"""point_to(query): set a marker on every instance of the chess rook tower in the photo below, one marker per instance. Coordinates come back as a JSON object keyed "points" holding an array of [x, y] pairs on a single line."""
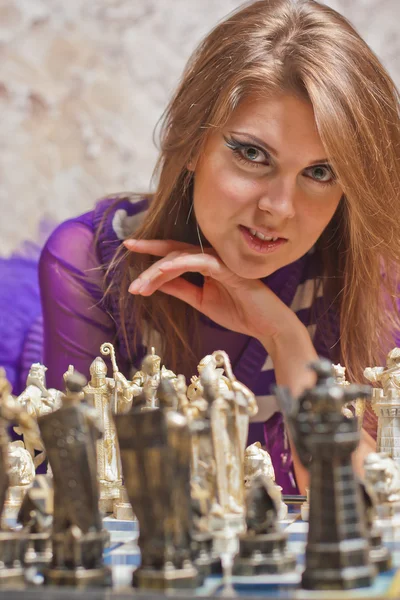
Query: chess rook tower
{"points": [[387, 409], [337, 551]]}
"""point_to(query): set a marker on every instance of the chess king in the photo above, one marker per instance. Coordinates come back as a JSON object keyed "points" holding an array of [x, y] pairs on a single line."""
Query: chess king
{"points": [[108, 395]]}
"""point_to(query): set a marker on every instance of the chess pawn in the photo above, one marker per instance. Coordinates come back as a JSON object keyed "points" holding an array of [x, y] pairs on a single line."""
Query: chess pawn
{"points": [[70, 435], [263, 548], [155, 453]]}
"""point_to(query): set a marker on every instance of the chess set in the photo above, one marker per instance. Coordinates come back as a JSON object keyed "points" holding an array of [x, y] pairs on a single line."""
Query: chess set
{"points": [[190, 511]]}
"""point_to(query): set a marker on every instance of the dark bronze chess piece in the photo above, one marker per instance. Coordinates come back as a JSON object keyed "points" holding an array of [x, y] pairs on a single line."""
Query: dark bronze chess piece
{"points": [[155, 453], [69, 435], [36, 517], [337, 551], [263, 548]]}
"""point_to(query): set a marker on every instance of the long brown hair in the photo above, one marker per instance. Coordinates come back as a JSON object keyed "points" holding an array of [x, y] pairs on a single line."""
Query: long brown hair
{"points": [[302, 47]]}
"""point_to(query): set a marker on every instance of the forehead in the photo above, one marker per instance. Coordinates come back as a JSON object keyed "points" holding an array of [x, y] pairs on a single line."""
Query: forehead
{"points": [[285, 122]]}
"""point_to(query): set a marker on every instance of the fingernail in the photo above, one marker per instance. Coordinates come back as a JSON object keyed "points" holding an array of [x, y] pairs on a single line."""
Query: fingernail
{"points": [[130, 242], [135, 286]]}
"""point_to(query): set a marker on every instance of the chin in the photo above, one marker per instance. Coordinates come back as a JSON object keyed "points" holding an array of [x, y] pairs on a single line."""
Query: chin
{"points": [[250, 271]]}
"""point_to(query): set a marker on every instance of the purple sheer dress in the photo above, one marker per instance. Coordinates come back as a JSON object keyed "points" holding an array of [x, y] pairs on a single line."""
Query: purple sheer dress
{"points": [[76, 321]]}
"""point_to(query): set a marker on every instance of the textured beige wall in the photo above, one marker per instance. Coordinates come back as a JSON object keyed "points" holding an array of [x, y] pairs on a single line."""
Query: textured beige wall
{"points": [[82, 84]]}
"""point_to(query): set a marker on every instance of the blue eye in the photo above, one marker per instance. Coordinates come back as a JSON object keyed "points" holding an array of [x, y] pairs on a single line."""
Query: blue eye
{"points": [[247, 153], [321, 174]]}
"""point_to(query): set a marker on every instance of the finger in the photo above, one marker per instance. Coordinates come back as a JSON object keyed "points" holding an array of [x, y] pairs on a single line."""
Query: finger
{"points": [[158, 247], [185, 291], [206, 265]]}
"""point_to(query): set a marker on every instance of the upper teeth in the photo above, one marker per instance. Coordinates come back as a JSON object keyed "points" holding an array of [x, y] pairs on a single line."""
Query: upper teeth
{"points": [[262, 236]]}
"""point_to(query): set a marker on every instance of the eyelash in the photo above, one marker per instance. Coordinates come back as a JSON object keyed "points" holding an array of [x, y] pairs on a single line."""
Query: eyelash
{"points": [[237, 148]]}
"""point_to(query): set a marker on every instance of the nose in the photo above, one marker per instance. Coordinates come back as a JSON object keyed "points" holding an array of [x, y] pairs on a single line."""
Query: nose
{"points": [[278, 198]]}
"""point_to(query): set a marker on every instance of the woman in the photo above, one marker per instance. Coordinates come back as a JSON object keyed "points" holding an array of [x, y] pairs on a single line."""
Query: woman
{"points": [[272, 232]]}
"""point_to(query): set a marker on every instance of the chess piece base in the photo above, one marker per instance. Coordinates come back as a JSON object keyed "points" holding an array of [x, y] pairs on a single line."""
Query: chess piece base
{"points": [[12, 548], [38, 553], [263, 554], [379, 554], [327, 572], [166, 579], [203, 557], [109, 493], [79, 577], [305, 511]]}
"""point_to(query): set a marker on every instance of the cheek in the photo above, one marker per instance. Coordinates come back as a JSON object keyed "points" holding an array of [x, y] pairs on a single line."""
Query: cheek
{"points": [[317, 214], [222, 190]]}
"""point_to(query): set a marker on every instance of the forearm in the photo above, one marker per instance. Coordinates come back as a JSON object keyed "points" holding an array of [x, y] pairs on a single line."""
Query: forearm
{"points": [[291, 352]]}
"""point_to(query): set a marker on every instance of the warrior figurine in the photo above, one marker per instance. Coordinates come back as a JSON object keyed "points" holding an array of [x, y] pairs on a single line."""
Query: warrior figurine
{"points": [[108, 396], [12, 543], [354, 408], [37, 400], [147, 380], [69, 435], [155, 454]]}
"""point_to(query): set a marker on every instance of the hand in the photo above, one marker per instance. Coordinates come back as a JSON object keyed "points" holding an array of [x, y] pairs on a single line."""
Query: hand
{"points": [[243, 305]]}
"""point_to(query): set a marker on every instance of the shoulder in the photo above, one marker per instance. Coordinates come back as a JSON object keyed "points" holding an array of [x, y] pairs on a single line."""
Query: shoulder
{"points": [[115, 218]]}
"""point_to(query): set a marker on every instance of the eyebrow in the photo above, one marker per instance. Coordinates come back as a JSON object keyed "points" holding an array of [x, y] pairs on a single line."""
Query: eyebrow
{"points": [[272, 150]]}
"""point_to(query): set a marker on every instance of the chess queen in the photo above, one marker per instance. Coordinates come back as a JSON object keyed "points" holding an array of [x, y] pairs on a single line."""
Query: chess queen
{"points": [[269, 231]]}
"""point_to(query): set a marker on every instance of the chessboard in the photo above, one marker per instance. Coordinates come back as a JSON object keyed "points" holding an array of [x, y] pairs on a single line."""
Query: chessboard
{"points": [[123, 556]]}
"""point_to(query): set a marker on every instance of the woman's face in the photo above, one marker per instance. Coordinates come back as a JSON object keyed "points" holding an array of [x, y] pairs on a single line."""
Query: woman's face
{"points": [[263, 187]]}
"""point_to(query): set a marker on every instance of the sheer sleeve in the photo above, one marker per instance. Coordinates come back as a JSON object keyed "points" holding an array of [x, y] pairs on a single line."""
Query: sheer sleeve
{"points": [[74, 319]]}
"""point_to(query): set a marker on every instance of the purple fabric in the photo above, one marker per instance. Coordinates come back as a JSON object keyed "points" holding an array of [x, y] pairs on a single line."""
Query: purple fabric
{"points": [[76, 321], [19, 309]]}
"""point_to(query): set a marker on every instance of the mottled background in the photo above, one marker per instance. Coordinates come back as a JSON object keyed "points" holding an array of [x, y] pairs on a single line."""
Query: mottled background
{"points": [[83, 83]]}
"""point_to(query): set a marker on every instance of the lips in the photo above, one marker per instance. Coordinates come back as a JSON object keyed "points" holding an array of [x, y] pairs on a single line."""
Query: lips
{"points": [[262, 242]]}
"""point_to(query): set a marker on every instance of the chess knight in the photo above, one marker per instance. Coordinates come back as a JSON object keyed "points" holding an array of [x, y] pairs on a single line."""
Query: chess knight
{"points": [[108, 395], [69, 435]]}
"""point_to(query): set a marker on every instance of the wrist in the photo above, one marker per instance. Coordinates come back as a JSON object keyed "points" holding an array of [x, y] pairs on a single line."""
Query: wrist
{"points": [[291, 350]]}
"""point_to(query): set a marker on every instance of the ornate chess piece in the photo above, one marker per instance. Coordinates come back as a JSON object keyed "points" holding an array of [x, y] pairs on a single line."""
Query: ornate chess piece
{"points": [[69, 435], [386, 403], [263, 548], [230, 413], [337, 551], [21, 475], [354, 408], [108, 396], [148, 378], [155, 453], [382, 475], [12, 543], [258, 462], [37, 400], [379, 554], [36, 517]]}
